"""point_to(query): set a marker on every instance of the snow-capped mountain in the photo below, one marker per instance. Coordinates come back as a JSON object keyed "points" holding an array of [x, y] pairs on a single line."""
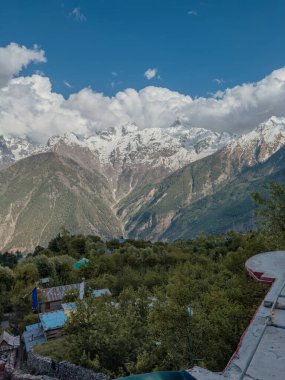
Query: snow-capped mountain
{"points": [[259, 144], [126, 154], [225, 178], [14, 148], [120, 149], [124, 181], [174, 146]]}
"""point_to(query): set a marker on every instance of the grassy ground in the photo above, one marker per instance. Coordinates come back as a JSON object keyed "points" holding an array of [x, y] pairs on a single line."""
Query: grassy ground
{"points": [[56, 349]]}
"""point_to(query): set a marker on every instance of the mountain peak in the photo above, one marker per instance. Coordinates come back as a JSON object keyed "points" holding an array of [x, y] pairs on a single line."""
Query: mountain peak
{"points": [[129, 128], [273, 125], [181, 121]]}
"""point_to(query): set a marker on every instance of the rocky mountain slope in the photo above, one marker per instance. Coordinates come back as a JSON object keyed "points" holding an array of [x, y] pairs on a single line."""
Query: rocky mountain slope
{"points": [[126, 155], [152, 183], [150, 211], [42, 193]]}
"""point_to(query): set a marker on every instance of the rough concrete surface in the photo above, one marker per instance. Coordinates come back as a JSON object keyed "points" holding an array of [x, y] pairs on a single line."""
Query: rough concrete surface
{"points": [[261, 352]]}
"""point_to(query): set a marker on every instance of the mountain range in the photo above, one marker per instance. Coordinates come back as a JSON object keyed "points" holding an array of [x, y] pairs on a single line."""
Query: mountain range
{"points": [[153, 183]]}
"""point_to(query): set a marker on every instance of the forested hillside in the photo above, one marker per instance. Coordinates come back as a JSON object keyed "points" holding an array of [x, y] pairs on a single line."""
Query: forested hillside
{"points": [[171, 305]]}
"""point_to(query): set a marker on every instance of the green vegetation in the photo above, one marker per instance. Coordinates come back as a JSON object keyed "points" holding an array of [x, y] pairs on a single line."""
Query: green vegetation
{"points": [[272, 209], [171, 303], [44, 192], [198, 198], [57, 347]]}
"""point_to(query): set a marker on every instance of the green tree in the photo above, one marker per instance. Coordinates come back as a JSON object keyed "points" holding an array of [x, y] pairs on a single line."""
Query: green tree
{"points": [[272, 209], [7, 278], [45, 266], [63, 269], [27, 273], [71, 295]]}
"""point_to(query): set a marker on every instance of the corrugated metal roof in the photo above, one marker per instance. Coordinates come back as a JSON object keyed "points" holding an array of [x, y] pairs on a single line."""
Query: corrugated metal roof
{"points": [[53, 320], [57, 292], [11, 340]]}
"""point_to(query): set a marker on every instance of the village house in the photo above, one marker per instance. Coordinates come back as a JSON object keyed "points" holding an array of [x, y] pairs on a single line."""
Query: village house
{"points": [[33, 335], [9, 345], [50, 326], [8, 342], [52, 323], [53, 314], [51, 298]]}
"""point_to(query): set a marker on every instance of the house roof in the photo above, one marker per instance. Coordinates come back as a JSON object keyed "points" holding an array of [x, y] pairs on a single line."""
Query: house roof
{"points": [[53, 320], [33, 327], [70, 306], [33, 336], [101, 292], [162, 375], [57, 293], [80, 263], [11, 340], [44, 280]]}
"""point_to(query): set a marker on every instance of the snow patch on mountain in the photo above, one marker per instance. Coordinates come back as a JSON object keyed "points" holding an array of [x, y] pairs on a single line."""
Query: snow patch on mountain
{"points": [[264, 140], [171, 147], [14, 148]]}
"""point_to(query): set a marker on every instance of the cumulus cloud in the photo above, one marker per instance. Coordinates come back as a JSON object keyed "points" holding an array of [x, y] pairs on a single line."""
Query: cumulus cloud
{"points": [[77, 14], [13, 58], [28, 106], [192, 12], [150, 73], [237, 109]]}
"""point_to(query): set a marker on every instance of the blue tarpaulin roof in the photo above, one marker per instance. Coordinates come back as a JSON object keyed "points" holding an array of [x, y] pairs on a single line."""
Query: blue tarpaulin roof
{"points": [[33, 336], [53, 320], [163, 375], [32, 327]]}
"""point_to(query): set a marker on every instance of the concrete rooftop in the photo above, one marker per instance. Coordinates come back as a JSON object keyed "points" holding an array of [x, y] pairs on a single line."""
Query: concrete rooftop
{"points": [[260, 354]]}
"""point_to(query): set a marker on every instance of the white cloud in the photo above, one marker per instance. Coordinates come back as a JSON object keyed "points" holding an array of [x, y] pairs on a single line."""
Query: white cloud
{"points": [[114, 73], [77, 14], [150, 73], [236, 109], [13, 58], [192, 12], [28, 106]]}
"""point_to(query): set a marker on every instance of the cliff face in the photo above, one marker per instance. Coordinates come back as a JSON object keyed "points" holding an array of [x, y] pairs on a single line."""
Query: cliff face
{"points": [[156, 211]]}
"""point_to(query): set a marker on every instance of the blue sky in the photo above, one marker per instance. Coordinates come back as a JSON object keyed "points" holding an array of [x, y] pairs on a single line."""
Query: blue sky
{"points": [[191, 43]]}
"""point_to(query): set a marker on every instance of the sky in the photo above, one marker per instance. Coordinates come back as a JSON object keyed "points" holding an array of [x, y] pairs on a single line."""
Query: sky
{"points": [[91, 64]]}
